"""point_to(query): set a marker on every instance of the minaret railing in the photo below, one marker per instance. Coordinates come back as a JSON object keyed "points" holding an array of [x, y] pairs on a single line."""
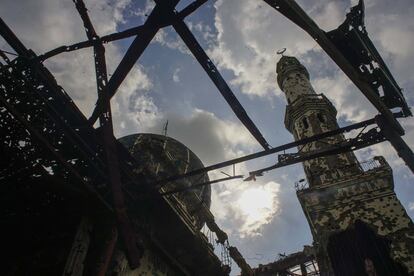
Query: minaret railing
{"points": [[368, 166]]}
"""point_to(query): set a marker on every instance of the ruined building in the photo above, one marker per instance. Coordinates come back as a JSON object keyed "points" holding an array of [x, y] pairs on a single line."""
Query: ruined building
{"points": [[358, 224], [77, 201], [59, 213]]}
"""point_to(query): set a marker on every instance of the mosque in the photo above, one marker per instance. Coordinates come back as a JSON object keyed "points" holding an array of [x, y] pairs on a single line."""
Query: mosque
{"points": [[77, 201]]}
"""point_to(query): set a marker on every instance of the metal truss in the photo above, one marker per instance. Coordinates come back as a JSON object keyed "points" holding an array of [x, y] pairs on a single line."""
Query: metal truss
{"points": [[359, 67], [361, 141], [42, 129]]}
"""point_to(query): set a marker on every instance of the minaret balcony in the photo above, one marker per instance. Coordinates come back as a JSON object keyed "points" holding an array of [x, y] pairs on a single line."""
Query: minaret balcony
{"points": [[369, 168], [307, 104]]}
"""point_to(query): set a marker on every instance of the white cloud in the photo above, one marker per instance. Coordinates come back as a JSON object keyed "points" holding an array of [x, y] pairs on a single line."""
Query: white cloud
{"points": [[143, 12], [210, 137], [133, 104], [249, 34], [350, 103], [258, 205], [58, 23], [241, 208], [176, 77], [328, 14], [171, 40]]}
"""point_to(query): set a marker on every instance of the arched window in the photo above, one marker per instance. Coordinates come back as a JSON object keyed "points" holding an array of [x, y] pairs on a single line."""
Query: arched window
{"points": [[321, 118], [305, 123]]}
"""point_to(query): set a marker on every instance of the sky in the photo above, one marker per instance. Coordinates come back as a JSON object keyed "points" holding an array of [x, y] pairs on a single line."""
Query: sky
{"points": [[262, 218]]}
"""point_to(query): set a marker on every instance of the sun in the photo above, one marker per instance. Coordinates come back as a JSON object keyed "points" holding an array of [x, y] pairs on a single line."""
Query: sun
{"points": [[253, 202], [257, 206]]}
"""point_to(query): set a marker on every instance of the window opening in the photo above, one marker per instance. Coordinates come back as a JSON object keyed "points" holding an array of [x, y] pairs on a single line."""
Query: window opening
{"points": [[305, 123], [321, 118]]}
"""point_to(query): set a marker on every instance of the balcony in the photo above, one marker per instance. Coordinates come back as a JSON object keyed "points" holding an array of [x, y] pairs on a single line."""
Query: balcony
{"points": [[375, 164]]}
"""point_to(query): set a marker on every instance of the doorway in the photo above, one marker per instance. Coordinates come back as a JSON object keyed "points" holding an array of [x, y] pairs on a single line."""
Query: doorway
{"points": [[358, 251]]}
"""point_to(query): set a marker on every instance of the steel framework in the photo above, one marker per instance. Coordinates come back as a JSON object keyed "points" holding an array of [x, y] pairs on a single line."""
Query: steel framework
{"points": [[42, 129]]}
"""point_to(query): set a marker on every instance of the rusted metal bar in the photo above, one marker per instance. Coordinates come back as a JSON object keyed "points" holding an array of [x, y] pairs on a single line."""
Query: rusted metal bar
{"points": [[4, 56], [110, 147], [403, 150], [218, 80], [352, 40], [271, 151], [183, 189], [88, 43], [296, 14], [140, 43], [107, 252], [372, 137], [284, 264], [235, 254], [12, 40]]}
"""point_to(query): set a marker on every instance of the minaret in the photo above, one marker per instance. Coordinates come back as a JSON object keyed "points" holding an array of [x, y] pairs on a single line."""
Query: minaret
{"points": [[309, 114], [358, 224]]}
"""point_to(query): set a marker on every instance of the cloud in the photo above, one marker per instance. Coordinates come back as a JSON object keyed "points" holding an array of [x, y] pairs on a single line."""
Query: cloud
{"points": [[133, 106], [243, 38], [249, 34], [58, 23], [176, 77], [211, 138], [258, 206], [351, 105], [142, 12], [244, 208], [167, 37]]}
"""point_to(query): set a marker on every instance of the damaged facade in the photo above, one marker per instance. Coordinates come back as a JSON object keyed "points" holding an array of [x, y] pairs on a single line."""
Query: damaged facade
{"points": [[77, 201], [357, 222]]}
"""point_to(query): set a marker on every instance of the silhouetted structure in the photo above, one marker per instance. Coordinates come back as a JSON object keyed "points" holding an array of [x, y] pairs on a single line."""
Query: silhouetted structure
{"points": [[77, 201], [358, 224]]}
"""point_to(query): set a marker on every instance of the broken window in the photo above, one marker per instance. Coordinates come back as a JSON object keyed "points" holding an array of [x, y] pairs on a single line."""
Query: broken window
{"points": [[305, 123], [321, 118]]}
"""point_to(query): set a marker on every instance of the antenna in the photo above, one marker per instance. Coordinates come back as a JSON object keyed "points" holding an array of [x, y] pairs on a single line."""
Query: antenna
{"points": [[165, 129]]}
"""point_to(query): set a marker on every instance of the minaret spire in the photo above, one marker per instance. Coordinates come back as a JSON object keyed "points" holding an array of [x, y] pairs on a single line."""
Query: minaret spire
{"points": [[309, 114]]}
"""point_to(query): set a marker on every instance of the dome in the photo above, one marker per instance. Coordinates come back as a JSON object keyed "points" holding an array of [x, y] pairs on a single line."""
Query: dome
{"points": [[164, 157]]}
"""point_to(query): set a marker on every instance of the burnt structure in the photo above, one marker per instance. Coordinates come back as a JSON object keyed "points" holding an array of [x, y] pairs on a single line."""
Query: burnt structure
{"points": [[358, 224], [300, 263], [76, 201], [57, 213]]}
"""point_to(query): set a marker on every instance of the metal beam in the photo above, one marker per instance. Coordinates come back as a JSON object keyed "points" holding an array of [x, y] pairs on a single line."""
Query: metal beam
{"points": [[272, 150], [109, 142], [184, 189], [135, 50], [218, 80], [136, 31], [12, 39], [403, 150], [372, 137]]}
